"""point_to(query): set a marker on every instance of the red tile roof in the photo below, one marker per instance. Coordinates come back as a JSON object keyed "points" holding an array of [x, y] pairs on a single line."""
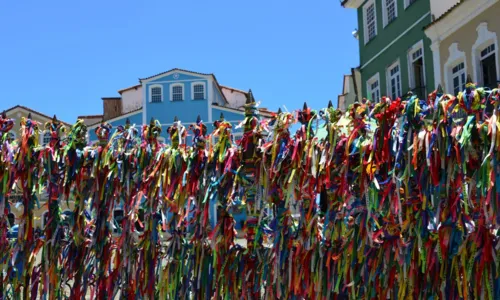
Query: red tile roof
{"points": [[33, 111], [175, 69], [120, 116], [90, 117], [233, 89], [129, 88], [445, 13]]}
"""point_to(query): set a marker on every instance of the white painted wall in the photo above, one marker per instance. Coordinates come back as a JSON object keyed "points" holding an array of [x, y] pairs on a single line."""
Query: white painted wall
{"points": [[439, 7], [131, 99], [235, 98]]}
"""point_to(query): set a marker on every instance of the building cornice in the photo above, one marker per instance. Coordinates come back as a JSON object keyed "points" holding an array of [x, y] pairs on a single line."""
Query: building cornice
{"points": [[352, 3], [457, 18]]}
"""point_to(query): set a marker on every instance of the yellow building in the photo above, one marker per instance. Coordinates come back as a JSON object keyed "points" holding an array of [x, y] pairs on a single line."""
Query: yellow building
{"points": [[15, 199]]}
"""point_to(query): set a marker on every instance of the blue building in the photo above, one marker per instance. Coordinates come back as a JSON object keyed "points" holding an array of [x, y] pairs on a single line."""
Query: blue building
{"points": [[177, 92], [164, 96]]}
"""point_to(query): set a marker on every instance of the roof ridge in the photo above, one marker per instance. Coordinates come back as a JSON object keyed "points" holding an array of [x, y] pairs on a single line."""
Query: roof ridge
{"points": [[234, 89], [176, 69], [33, 111]]}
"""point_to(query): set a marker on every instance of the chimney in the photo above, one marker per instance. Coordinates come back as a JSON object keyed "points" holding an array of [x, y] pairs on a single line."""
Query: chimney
{"points": [[112, 107]]}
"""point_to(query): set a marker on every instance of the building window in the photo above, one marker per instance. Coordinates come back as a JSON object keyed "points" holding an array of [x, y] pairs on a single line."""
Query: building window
{"points": [[156, 94], [454, 69], [484, 57], [394, 80], [389, 11], [176, 92], [409, 2], [373, 88], [488, 66], [458, 75], [416, 70], [198, 91], [46, 138], [370, 21]]}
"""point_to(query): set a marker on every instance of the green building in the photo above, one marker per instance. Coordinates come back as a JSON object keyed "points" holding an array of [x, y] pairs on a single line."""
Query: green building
{"points": [[395, 54]]}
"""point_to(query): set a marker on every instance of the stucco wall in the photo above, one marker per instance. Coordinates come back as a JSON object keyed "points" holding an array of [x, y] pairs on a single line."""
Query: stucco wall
{"points": [[466, 37], [235, 98], [18, 113], [135, 118], [131, 99], [439, 7], [405, 31], [186, 110]]}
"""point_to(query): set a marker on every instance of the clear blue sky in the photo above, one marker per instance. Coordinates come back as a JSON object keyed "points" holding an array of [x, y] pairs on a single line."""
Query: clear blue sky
{"points": [[63, 56]]}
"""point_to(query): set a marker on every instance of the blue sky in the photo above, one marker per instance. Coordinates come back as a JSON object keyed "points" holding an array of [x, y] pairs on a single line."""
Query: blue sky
{"points": [[63, 56]]}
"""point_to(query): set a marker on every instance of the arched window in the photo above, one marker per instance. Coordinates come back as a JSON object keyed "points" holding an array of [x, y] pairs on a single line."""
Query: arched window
{"points": [[485, 58], [198, 91], [46, 138], [455, 69], [156, 93], [177, 92]]}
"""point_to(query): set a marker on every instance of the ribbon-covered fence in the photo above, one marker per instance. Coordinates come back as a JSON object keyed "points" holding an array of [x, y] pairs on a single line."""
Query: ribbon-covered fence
{"points": [[398, 199]]}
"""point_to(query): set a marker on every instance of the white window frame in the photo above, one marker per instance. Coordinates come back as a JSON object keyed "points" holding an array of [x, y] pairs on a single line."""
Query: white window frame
{"points": [[46, 133], [385, 15], [172, 91], [369, 82], [389, 78], [455, 57], [407, 3], [411, 72], [365, 24], [484, 39], [461, 74], [151, 87], [204, 90]]}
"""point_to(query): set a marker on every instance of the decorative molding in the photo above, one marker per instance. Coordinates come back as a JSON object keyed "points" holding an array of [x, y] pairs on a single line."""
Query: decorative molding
{"points": [[365, 25], [456, 56], [204, 89], [385, 20], [353, 3], [457, 18], [436, 61], [150, 88], [411, 72], [183, 91], [373, 79], [395, 40], [388, 78], [484, 39]]}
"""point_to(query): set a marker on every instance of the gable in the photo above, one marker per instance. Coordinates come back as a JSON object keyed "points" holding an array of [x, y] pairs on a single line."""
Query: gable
{"points": [[176, 76]]}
